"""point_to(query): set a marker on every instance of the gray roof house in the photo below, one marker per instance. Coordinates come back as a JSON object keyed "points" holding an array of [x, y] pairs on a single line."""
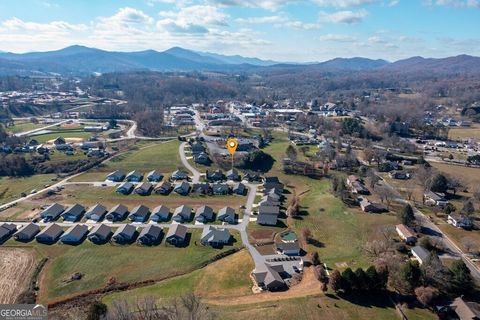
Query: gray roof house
{"points": [[75, 234], [268, 201], [182, 213], [288, 248], [27, 233], [179, 175], [267, 219], [143, 188], [201, 188], [73, 213], [215, 237], [201, 158], [204, 214], [160, 213], [116, 176], [268, 277], [125, 188], [420, 254], [176, 234], [154, 176], [6, 230], [239, 188], [216, 175], [100, 234], [53, 212], [233, 175], [117, 213], [50, 234], [134, 176], [182, 188], [163, 187], [150, 235], [139, 214], [220, 188], [227, 214], [273, 183], [269, 210], [96, 213], [125, 234]]}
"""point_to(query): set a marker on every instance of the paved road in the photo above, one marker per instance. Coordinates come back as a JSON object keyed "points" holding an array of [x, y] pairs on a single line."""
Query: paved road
{"points": [[186, 164], [427, 224]]}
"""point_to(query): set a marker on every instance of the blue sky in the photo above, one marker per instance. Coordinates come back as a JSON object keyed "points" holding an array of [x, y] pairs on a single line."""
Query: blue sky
{"points": [[283, 30]]}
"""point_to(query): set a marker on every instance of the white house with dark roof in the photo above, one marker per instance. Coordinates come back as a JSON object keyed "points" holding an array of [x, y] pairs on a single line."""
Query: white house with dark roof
{"points": [[215, 237]]}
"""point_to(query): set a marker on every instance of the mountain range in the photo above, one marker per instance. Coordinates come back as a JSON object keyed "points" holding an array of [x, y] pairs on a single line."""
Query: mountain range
{"points": [[80, 60]]}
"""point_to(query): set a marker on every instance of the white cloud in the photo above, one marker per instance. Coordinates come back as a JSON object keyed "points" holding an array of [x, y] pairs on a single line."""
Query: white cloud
{"points": [[264, 4], [347, 17], [337, 38], [342, 3], [278, 22], [454, 3]]}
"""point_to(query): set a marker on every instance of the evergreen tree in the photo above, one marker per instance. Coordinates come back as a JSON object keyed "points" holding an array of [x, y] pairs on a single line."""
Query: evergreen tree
{"points": [[461, 278], [406, 215]]}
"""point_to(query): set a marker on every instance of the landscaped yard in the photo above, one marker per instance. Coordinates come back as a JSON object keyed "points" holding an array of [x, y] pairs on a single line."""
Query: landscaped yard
{"points": [[162, 156], [101, 263]]}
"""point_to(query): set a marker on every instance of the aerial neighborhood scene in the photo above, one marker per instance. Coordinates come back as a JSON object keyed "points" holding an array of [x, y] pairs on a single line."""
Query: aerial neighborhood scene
{"points": [[267, 159]]}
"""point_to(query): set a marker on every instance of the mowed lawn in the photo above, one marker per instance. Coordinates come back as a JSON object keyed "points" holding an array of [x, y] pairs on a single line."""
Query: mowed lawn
{"points": [[11, 188], [101, 263], [469, 176], [42, 138], [162, 156], [228, 277], [472, 132], [22, 126]]}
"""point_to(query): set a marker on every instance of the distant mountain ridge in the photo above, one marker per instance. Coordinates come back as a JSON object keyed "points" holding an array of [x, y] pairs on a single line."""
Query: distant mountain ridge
{"points": [[81, 60]]}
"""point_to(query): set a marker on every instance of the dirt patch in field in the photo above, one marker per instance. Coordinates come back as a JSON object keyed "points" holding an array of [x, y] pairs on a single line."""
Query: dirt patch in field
{"points": [[16, 267], [262, 235]]}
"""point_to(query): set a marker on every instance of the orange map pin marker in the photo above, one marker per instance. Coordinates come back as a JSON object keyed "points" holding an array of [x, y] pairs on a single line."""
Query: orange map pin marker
{"points": [[232, 145]]}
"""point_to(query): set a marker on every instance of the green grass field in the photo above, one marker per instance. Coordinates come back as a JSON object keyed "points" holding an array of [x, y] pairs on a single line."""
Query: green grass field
{"points": [[161, 156], [99, 263], [21, 126], [472, 132], [42, 138], [11, 188]]}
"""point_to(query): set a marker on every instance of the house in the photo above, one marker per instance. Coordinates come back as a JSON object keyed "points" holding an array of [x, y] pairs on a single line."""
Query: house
{"points": [[268, 201], [389, 166], [239, 188], [272, 195], [143, 189], [154, 176], [134, 176], [100, 234], [182, 188], [288, 248], [227, 214], [6, 230], [356, 185], [268, 277], [75, 234], [52, 212], [27, 233], [59, 141], [216, 175], [215, 237], [420, 254], [406, 234], [139, 214], [163, 187], [96, 213], [182, 213], [197, 147], [150, 235], [201, 188], [73, 213], [176, 234], [253, 177], [399, 175], [233, 175], [220, 189], [269, 210], [201, 158], [273, 183], [267, 219], [465, 310], [435, 198], [125, 234], [372, 207], [125, 188], [179, 175], [160, 214], [50, 234], [460, 221], [116, 176], [204, 214], [117, 213]]}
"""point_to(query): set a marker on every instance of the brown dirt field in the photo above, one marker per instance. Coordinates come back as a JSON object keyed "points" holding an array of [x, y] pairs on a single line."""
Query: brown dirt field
{"points": [[68, 140], [259, 234], [16, 266], [307, 287]]}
